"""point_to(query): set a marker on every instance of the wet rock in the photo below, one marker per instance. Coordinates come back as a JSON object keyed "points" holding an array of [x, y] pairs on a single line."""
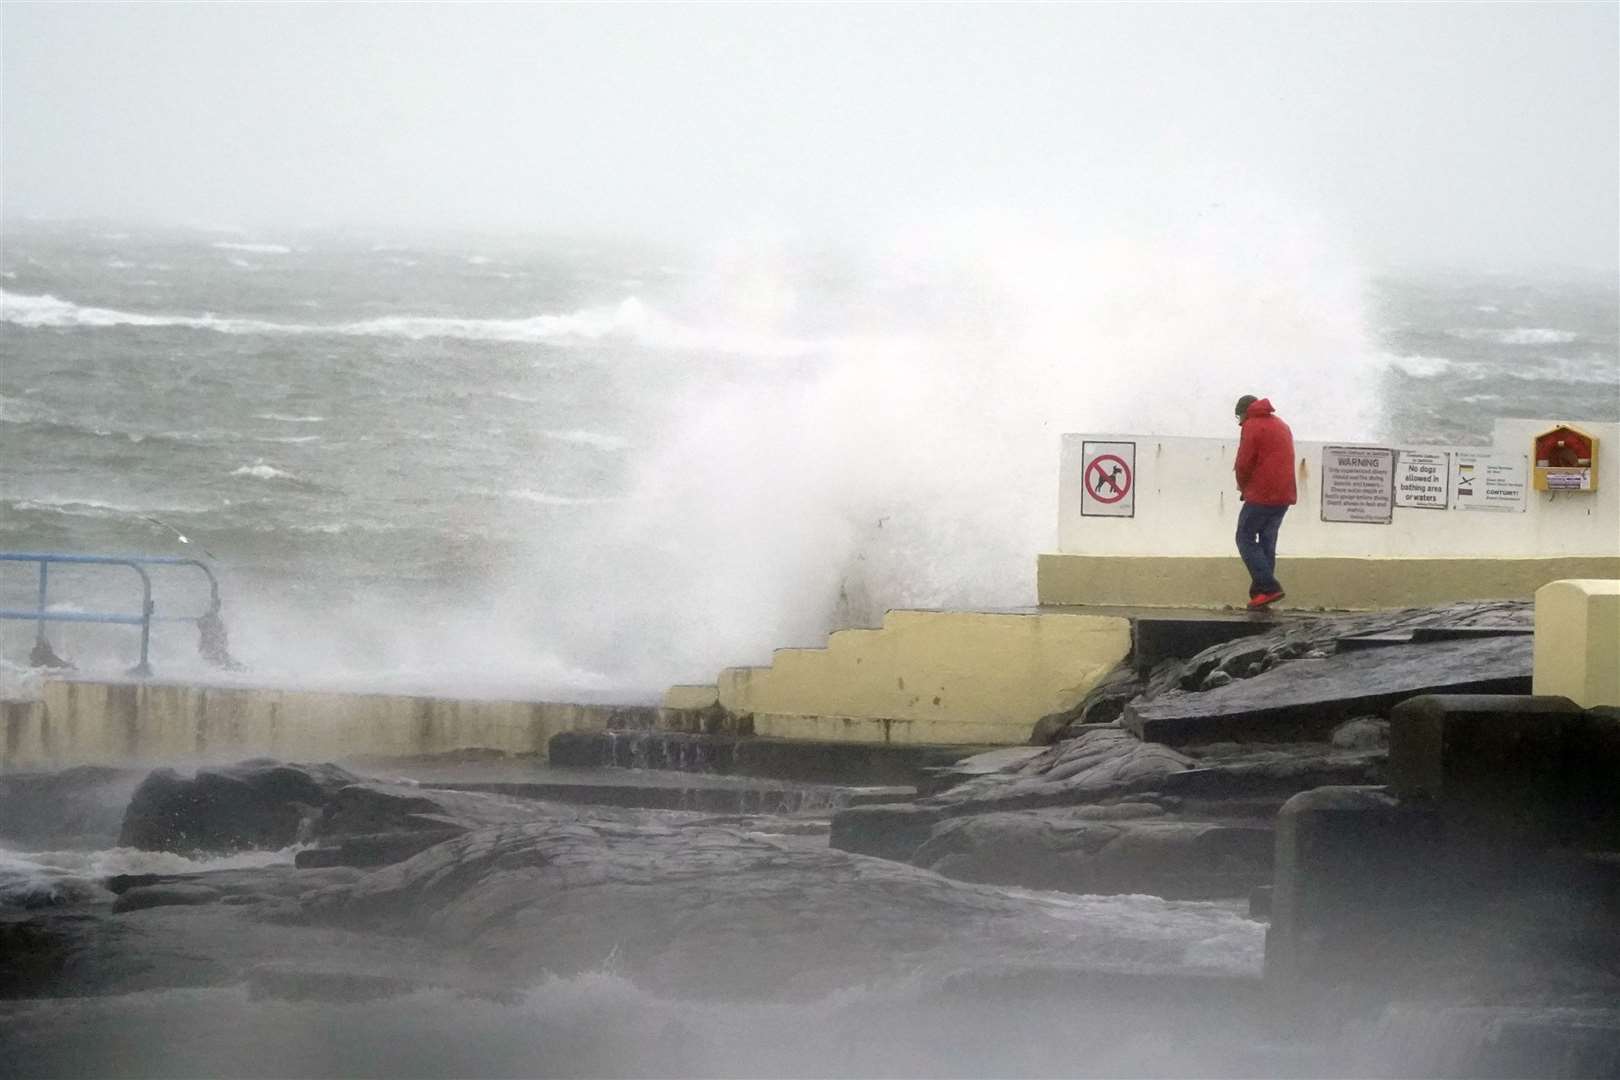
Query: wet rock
{"points": [[1083, 851], [707, 911], [151, 896], [256, 804], [1315, 637], [77, 808], [1305, 700], [1277, 774], [991, 761], [375, 849], [1362, 733], [1103, 763], [267, 804], [296, 982], [1102, 704], [888, 832]]}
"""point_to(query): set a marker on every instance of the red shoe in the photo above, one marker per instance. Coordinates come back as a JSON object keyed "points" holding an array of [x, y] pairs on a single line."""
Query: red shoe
{"points": [[1265, 598]]}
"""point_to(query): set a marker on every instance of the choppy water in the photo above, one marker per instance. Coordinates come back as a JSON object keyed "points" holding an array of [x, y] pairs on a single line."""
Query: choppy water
{"points": [[592, 470]]}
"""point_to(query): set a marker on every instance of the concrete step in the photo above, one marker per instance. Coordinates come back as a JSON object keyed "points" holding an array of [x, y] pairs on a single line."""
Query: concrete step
{"points": [[928, 677]]}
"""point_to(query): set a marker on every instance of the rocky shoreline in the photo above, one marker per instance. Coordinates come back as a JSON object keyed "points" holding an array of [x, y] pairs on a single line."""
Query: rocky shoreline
{"points": [[1151, 862]]}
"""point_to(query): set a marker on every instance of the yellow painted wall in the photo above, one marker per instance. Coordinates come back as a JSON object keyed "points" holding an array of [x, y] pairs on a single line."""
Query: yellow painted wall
{"points": [[1577, 650], [690, 696], [930, 677], [1340, 583], [94, 723]]}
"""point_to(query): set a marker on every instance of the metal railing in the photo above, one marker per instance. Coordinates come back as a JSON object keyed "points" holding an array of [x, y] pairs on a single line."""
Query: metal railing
{"points": [[211, 642]]}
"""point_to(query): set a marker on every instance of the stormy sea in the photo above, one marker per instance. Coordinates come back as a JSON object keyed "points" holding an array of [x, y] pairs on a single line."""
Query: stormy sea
{"points": [[598, 469], [584, 470]]}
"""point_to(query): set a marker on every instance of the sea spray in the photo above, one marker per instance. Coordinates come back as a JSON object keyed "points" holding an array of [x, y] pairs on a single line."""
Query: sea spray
{"points": [[916, 466]]}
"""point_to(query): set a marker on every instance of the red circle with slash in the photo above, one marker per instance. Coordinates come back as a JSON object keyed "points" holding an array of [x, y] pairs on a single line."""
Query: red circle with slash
{"points": [[1105, 478]]}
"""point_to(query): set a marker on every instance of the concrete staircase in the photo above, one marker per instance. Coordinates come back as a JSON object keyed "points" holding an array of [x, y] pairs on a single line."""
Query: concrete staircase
{"points": [[924, 677]]}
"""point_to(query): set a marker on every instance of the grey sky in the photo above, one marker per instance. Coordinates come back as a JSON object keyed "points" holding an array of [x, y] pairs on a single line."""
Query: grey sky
{"points": [[1486, 134]]}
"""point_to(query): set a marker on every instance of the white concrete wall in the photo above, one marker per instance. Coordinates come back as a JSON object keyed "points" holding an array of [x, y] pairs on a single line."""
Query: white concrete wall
{"points": [[1187, 504]]}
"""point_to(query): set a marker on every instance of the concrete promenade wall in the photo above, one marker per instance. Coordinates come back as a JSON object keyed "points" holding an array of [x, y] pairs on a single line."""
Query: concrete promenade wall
{"points": [[84, 722], [1176, 548]]}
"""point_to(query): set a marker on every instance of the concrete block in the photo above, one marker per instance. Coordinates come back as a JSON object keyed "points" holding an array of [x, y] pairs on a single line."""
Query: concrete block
{"points": [[1350, 864], [1577, 651], [1507, 768]]}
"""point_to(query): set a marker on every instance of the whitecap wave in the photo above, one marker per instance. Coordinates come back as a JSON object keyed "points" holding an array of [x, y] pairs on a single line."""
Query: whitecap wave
{"points": [[49, 312], [1419, 367], [90, 507], [594, 439], [285, 419], [1519, 335], [252, 249], [262, 471], [628, 320], [1569, 369], [546, 498]]}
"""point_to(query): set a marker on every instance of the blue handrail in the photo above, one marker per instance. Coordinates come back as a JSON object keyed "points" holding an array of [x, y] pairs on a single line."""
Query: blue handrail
{"points": [[208, 621]]}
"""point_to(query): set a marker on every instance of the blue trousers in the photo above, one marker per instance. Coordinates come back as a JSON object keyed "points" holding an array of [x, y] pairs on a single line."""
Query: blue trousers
{"points": [[1257, 542]]}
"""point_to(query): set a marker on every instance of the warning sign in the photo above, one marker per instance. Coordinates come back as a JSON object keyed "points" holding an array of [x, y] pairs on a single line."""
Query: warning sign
{"points": [[1108, 479], [1358, 484], [1420, 479], [1481, 481]]}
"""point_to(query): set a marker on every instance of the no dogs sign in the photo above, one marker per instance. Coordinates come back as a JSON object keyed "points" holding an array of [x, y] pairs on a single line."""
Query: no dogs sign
{"points": [[1108, 479]]}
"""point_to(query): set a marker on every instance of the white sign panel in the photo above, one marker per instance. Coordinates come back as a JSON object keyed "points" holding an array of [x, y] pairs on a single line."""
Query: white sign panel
{"points": [[1358, 484], [1482, 481], [1420, 479], [1108, 479]]}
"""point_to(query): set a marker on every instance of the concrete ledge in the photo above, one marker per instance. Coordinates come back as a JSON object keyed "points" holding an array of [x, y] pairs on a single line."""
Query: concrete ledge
{"points": [[84, 722], [691, 696], [1337, 583], [888, 730], [1577, 652]]}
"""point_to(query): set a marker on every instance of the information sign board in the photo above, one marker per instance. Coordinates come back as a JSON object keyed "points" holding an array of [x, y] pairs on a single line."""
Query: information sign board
{"points": [[1358, 484], [1420, 479], [1485, 481]]}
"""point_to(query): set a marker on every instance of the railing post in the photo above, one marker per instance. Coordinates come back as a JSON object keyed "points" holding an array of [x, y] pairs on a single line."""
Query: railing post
{"points": [[39, 625], [144, 668]]}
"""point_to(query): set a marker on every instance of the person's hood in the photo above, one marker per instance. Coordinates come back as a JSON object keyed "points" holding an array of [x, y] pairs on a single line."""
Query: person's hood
{"points": [[1258, 409]]}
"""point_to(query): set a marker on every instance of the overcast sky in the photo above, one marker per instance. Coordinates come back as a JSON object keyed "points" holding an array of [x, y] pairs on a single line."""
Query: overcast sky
{"points": [[1477, 133]]}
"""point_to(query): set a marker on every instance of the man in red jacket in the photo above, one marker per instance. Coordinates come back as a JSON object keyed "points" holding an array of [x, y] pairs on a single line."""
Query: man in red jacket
{"points": [[1265, 476]]}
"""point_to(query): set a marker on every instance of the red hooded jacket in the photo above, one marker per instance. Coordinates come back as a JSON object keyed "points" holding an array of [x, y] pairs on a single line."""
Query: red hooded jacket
{"points": [[1265, 458]]}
